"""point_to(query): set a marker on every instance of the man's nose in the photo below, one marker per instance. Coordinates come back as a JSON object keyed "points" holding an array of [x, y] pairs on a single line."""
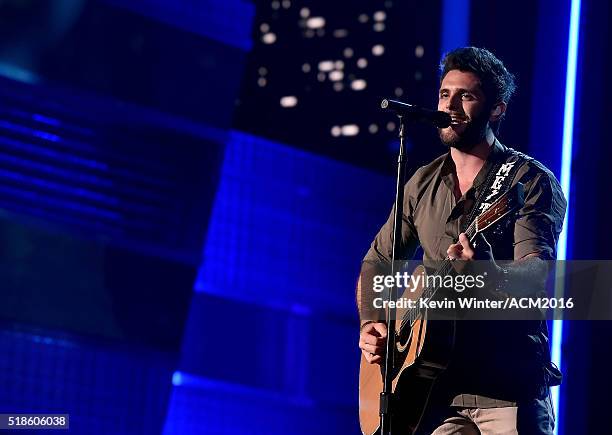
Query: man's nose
{"points": [[454, 105]]}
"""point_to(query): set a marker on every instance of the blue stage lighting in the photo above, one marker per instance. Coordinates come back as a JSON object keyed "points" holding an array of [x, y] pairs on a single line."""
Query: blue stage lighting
{"points": [[566, 163]]}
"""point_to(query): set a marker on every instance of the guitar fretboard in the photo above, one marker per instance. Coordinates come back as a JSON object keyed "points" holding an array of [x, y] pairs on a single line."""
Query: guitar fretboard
{"points": [[504, 205]]}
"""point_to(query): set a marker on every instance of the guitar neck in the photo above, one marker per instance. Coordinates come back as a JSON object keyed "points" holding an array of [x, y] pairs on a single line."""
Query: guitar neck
{"points": [[503, 206]]}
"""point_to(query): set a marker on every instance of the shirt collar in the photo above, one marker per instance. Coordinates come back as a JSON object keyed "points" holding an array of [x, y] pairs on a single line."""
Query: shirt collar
{"points": [[498, 150]]}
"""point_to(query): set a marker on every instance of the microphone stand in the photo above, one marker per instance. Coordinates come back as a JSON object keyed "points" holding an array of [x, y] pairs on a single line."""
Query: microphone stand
{"points": [[386, 396]]}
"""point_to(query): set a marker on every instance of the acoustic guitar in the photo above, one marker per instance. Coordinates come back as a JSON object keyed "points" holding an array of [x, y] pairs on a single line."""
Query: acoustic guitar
{"points": [[422, 348]]}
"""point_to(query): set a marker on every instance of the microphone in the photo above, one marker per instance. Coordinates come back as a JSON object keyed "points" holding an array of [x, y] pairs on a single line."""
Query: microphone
{"points": [[417, 114]]}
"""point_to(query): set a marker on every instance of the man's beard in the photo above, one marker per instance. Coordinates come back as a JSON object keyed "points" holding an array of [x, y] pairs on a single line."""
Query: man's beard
{"points": [[475, 132]]}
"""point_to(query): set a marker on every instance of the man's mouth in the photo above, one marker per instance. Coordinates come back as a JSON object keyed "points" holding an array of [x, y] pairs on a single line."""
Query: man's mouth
{"points": [[459, 119]]}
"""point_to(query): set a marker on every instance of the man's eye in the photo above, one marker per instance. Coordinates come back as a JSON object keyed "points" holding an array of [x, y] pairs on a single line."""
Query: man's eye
{"points": [[443, 95], [468, 97]]}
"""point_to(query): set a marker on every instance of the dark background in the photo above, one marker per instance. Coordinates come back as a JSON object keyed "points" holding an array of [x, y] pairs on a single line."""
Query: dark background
{"points": [[179, 250]]}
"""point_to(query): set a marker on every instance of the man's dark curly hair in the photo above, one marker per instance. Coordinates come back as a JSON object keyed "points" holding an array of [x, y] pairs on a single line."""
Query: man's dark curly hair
{"points": [[496, 81]]}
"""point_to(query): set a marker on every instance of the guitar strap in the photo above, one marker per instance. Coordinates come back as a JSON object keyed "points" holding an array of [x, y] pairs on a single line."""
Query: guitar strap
{"points": [[498, 181]]}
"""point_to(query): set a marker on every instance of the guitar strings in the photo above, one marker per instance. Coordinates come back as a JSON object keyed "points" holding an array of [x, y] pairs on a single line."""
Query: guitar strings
{"points": [[413, 313]]}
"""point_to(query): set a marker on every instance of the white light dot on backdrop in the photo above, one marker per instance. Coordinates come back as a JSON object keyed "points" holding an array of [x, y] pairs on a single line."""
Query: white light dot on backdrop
{"points": [[309, 33], [286, 4], [304, 12], [326, 65], [398, 92], [289, 101], [262, 70], [379, 27], [275, 4], [348, 52], [419, 51], [338, 86], [315, 22], [338, 64], [336, 131], [378, 50], [362, 62], [321, 77], [261, 82], [350, 130], [363, 18], [269, 38], [264, 27], [373, 128], [336, 76], [358, 85], [306, 68], [380, 16], [340, 33], [390, 125]]}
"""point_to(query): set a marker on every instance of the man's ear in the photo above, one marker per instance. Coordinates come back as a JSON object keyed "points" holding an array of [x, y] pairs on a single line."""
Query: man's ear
{"points": [[498, 111]]}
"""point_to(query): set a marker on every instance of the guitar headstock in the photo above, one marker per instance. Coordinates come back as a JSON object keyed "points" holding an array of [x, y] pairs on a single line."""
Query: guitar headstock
{"points": [[509, 202]]}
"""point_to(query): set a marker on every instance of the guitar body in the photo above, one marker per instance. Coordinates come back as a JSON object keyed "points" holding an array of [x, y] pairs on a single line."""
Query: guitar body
{"points": [[422, 352], [423, 347]]}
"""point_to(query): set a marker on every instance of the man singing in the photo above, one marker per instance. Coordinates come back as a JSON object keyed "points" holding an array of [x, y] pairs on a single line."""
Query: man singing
{"points": [[499, 376]]}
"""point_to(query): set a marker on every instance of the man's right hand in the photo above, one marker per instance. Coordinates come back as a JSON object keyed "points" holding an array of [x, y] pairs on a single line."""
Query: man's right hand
{"points": [[372, 341]]}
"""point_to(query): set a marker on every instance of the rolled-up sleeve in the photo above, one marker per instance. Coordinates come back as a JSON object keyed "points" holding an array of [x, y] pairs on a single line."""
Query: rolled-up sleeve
{"points": [[540, 220], [378, 258], [382, 245]]}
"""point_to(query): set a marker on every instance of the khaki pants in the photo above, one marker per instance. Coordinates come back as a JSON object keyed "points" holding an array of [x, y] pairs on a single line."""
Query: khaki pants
{"points": [[474, 421], [533, 417]]}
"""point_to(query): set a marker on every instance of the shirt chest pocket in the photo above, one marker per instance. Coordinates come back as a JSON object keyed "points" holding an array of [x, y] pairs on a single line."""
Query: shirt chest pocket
{"points": [[434, 239], [435, 227]]}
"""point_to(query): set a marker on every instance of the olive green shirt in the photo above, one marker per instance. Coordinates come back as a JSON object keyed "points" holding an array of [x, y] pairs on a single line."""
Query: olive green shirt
{"points": [[433, 216]]}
